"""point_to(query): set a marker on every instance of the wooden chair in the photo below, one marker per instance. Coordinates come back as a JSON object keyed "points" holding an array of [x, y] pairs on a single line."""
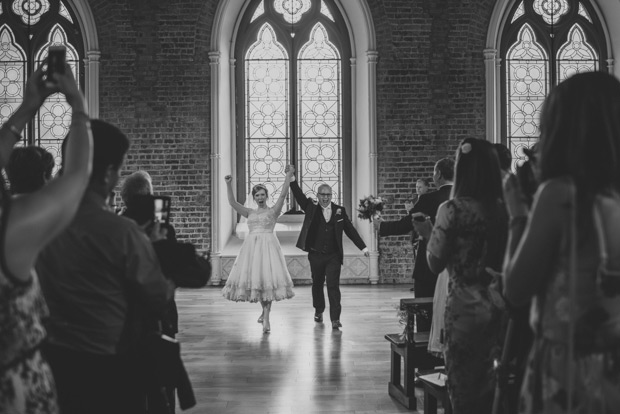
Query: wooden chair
{"points": [[412, 351], [434, 393]]}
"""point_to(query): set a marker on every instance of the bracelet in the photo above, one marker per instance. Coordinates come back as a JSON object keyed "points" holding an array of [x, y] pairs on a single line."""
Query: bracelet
{"points": [[16, 132]]}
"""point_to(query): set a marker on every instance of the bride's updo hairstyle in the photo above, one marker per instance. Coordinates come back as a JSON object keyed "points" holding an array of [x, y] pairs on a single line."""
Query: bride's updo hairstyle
{"points": [[259, 187]]}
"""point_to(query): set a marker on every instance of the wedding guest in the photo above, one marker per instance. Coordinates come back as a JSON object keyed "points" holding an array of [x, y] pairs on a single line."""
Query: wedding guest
{"points": [[422, 185], [96, 275], [564, 253], [29, 168], [29, 222], [321, 237], [424, 279], [469, 235], [259, 273], [135, 185]]}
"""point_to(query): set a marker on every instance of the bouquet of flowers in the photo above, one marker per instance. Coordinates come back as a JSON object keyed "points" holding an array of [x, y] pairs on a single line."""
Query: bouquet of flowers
{"points": [[370, 207]]}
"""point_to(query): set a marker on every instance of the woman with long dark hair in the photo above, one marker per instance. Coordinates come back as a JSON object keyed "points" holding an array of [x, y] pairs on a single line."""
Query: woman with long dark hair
{"points": [[564, 254], [469, 237]]}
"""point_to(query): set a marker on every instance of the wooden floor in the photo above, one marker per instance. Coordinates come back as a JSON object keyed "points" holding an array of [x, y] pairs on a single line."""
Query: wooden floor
{"points": [[301, 366]]}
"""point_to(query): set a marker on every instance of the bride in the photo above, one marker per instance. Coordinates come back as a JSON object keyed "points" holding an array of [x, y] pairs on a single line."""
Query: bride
{"points": [[259, 272]]}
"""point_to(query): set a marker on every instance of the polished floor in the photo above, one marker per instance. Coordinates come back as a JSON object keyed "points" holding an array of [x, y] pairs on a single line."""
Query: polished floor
{"points": [[301, 366]]}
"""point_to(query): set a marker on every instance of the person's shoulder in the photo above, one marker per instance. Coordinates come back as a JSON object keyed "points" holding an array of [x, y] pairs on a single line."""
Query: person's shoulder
{"points": [[555, 190]]}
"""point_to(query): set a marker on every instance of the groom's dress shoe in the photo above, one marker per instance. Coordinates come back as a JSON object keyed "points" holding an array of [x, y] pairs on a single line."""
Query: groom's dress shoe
{"points": [[336, 324], [318, 317]]}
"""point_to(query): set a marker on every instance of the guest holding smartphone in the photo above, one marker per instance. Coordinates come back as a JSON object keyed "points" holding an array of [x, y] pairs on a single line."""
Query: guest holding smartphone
{"points": [[28, 223]]}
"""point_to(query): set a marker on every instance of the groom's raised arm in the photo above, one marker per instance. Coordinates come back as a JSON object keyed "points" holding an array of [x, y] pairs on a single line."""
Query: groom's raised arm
{"points": [[299, 195]]}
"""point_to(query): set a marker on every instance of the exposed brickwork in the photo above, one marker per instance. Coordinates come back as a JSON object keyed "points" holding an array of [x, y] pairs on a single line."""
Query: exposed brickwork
{"points": [[431, 94], [155, 85]]}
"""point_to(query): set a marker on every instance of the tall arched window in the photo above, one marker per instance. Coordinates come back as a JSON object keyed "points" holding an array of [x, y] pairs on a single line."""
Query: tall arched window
{"points": [[543, 43], [27, 29], [293, 96]]}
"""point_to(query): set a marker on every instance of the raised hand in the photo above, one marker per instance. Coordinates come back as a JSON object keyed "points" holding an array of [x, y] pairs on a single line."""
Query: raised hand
{"points": [[68, 86], [289, 169], [228, 179], [38, 89]]}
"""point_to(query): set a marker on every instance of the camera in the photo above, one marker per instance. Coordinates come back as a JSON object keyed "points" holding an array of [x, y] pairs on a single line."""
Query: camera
{"points": [[56, 59]]}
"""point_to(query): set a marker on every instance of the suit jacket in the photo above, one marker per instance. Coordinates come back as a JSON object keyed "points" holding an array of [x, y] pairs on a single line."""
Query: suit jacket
{"points": [[311, 209], [428, 204]]}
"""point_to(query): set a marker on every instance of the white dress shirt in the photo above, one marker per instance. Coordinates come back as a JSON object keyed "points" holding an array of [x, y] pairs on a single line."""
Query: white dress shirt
{"points": [[327, 212]]}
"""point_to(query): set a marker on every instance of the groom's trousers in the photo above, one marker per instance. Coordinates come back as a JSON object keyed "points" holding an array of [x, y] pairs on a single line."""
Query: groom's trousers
{"points": [[326, 266]]}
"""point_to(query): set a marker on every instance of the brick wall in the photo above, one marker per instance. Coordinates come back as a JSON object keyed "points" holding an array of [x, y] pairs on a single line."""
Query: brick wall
{"points": [[155, 81], [154, 85], [431, 94]]}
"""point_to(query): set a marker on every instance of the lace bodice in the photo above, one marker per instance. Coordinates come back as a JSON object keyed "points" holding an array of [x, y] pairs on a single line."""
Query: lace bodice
{"points": [[262, 220]]}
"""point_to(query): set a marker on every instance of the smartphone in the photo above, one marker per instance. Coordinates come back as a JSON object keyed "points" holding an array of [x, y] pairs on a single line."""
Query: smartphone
{"points": [[149, 208], [420, 218], [56, 59], [161, 209]]}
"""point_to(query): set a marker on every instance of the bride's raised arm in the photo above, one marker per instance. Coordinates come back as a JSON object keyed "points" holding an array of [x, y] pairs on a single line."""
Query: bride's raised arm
{"points": [[239, 208], [290, 170]]}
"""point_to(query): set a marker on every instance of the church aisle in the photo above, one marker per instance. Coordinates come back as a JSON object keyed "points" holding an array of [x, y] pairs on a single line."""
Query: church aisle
{"points": [[301, 366]]}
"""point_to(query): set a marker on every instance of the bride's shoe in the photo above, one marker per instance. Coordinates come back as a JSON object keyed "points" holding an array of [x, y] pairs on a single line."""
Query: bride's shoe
{"points": [[266, 326]]}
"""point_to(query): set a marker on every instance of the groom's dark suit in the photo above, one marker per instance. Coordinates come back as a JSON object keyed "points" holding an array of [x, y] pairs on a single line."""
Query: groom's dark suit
{"points": [[323, 242], [424, 279]]}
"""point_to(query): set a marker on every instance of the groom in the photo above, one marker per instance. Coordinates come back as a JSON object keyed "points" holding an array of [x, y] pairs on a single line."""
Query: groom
{"points": [[321, 237]]}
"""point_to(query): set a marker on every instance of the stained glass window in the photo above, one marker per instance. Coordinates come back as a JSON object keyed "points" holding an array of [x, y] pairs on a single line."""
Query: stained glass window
{"points": [[518, 13], [27, 29], [258, 12], [546, 42], [326, 12], [584, 13], [296, 107]]}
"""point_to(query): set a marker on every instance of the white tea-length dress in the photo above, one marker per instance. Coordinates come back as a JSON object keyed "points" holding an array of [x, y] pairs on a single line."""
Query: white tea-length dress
{"points": [[259, 272]]}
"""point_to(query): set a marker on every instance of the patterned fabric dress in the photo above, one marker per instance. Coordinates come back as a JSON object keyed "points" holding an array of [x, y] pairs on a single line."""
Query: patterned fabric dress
{"points": [[26, 382], [468, 240], [595, 364], [259, 272]]}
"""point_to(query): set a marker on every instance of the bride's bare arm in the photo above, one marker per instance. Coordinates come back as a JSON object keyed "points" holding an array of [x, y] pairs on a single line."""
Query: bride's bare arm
{"points": [[239, 208], [287, 182]]}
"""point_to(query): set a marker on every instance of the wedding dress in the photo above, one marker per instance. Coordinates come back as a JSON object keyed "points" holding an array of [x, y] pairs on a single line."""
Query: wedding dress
{"points": [[259, 272]]}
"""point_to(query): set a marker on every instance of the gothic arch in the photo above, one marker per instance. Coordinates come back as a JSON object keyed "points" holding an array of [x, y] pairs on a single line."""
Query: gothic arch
{"points": [[607, 11], [363, 85]]}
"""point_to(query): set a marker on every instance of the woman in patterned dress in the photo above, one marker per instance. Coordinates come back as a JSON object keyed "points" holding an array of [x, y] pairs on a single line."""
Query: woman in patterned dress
{"points": [[259, 273], [564, 255], [470, 236], [28, 222]]}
